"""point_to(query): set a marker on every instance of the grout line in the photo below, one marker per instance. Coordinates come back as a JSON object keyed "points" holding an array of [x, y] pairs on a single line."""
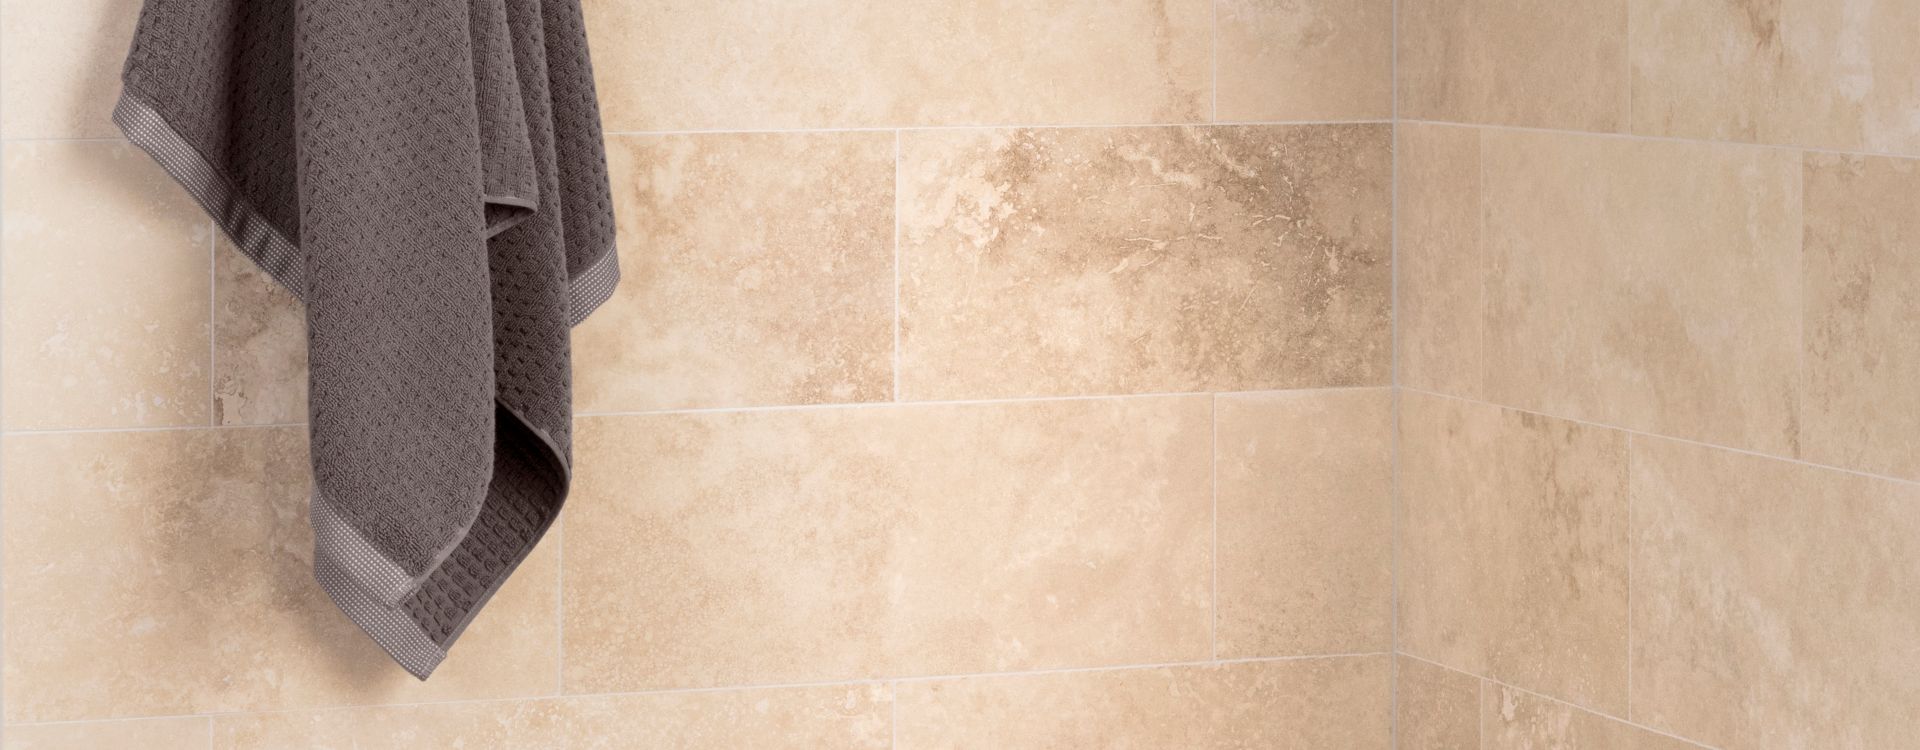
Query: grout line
{"points": [[1669, 139], [991, 126], [560, 607], [896, 266], [1393, 376], [1213, 543], [1672, 439], [1575, 706], [164, 428], [213, 318], [859, 682]]}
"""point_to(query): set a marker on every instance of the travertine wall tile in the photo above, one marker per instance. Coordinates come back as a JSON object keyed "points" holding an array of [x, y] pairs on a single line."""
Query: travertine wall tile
{"points": [[1515, 62], [848, 63], [1442, 270], [1311, 60], [60, 66], [1513, 558], [1774, 604], [1650, 285], [169, 572], [824, 544], [1862, 409], [1304, 496], [1438, 708], [147, 734], [260, 345], [757, 269], [1812, 73], [1333, 702], [105, 276], [1144, 260], [1518, 720]]}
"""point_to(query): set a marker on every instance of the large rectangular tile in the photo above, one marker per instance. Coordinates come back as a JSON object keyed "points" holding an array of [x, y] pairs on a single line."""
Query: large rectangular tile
{"points": [[259, 345], [106, 276], [189, 733], [824, 544], [1144, 260], [169, 572], [825, 717], [60, 66], [1650, 285], [1862, 410], [1441, 267], [1309, 703], [1437, 708], [1815, 73], [1513, 557], [761, 64], [1311, 60], [1515, 62], [757, 269], [1304, 489], [1775, 604], [1518, 720]]}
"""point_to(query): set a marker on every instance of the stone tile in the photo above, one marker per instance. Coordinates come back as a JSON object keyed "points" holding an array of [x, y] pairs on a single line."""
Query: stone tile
{"points": [[1645, 284], [260, 345], [1813, 73], [60, 66], [1513, 557], [826, 544], [1312, 60], [1144, 260], [1442, 268], [1304, 490], [766, 64], [1439, 709], [1862, 297], [837, 717], [1515, 62], [1518, 720], [757, 269], [1775, 604], [189, 733], [169, 572], [1334, 702], [105, 286]]}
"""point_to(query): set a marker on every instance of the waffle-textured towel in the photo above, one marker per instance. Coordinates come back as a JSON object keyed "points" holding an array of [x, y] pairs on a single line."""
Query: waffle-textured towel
{"points": [[428, 177]]}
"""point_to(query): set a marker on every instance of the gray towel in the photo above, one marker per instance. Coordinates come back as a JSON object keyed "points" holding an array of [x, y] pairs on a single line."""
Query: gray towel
{"points": [[428, 177]]}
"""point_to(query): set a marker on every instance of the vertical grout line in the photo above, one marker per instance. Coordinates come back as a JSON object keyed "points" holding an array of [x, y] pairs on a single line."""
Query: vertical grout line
{"points": [[559, 607], [1393, 394], [213, 322], [896, 266], [1213, 544]]}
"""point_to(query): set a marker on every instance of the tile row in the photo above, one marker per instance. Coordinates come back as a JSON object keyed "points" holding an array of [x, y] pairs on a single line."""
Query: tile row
{"points": [[1726, 597], [1807, 73], [1323, 702], [1442, 709], [779, 269], [771, 64], [1743, 296], [165, 572]]}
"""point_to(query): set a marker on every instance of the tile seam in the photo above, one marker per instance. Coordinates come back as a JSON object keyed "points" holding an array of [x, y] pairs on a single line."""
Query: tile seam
{"points": [[1543, 696], [1668, 139]]}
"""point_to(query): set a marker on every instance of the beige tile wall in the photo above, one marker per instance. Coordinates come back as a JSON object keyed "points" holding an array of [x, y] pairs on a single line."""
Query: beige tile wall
{"points": [[985, 374], [1657, 296]]}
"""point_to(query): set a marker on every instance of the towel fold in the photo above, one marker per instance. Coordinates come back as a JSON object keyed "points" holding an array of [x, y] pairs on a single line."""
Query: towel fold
{"points": [[428, 177]]}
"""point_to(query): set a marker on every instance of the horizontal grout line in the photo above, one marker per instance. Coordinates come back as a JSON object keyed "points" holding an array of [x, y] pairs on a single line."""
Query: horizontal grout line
{"points": [[935, 128], [862, 682], [971, 402], [1544, 696], [166, 428], [1668, 139], [1670, 438]]}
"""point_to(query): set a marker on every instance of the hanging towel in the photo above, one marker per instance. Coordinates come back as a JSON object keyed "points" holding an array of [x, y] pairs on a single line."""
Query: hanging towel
{"points": [[428, 177]]}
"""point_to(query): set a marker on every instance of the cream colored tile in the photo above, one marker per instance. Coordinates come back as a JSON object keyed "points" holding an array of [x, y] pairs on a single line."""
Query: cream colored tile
{"points": [[260, 345], [1304, 497], [60, 66], [1441, 266], [1815, 73], [1518, 720], [147, 734], [1650, 285], [168, 572], [1862, 298], [1144, 260], [1774, 604], [1334, 702], [848, 63], [1304, 60], [825, 717], [757, 270], [1438, 708], [826, 544], [1513, 558], [105, 285], [1515, 62]]}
